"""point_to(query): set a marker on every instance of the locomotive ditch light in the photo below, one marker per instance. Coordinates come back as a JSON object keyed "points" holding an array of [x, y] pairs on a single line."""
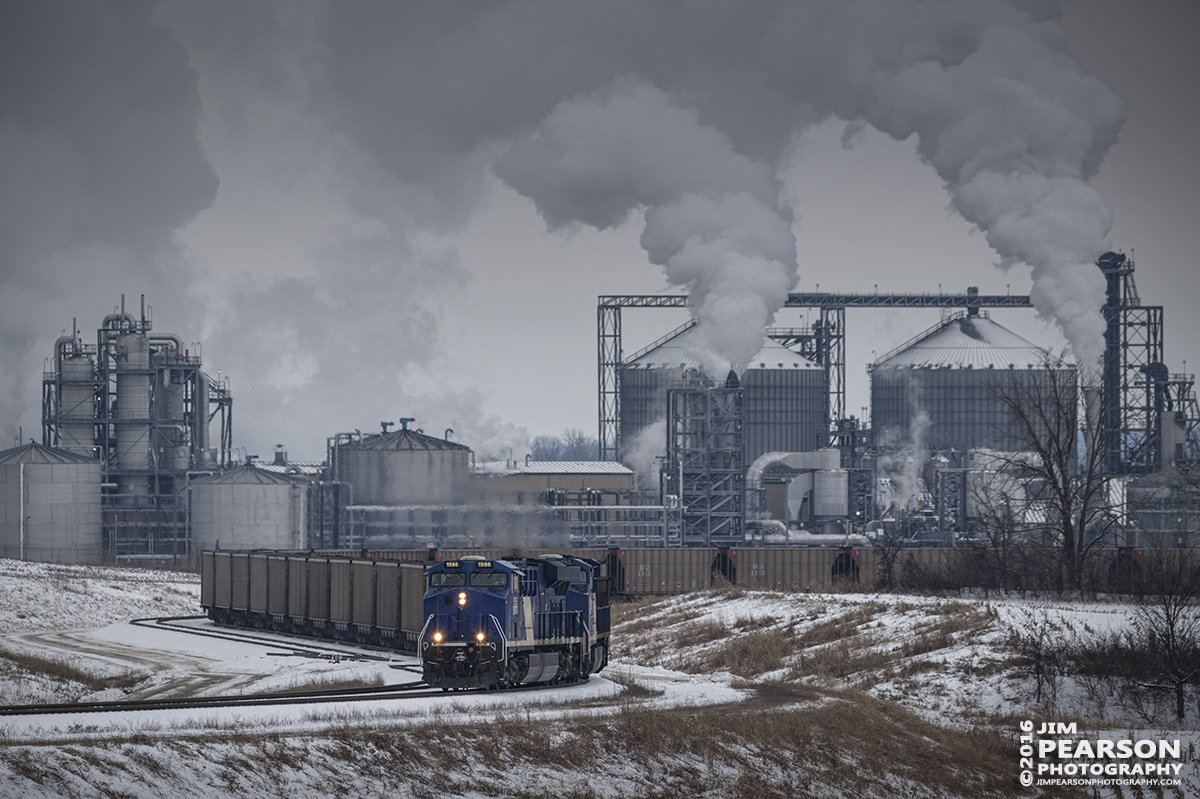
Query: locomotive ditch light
{"points": [[479, 636], [437, 638], [462, 598]]}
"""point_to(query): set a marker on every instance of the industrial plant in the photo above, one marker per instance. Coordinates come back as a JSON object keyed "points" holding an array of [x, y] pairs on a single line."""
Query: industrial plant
{"points": [[136, 465]]}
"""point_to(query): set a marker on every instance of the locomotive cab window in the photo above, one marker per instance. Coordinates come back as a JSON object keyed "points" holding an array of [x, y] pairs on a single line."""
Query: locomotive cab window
{"points": [[447, 580], [489, 579]]}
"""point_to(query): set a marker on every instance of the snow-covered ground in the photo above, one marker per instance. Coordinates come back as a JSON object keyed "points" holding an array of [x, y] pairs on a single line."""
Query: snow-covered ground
{"points": [[720, 693]]}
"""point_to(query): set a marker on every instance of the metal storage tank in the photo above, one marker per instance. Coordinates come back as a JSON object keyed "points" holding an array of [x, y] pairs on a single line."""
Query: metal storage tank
{"points": [[405, 467], [77, 404], [49, 505], [132, 417], [784, 395], [248, 508], [951, 373], [831, 493]]}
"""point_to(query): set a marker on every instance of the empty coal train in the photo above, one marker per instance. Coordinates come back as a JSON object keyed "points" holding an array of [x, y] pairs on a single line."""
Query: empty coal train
{"points": [[475, 622], [367, 601]]}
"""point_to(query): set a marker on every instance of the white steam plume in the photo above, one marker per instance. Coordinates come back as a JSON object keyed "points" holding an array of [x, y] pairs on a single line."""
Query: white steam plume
{"points": [[1010, 122], [713, 219], [349, 130]]}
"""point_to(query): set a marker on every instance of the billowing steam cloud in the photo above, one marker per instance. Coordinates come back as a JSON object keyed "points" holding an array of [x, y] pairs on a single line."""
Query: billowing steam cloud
{"points": [[99, 163], [713, 220], [1015, 129], [345, 134]]}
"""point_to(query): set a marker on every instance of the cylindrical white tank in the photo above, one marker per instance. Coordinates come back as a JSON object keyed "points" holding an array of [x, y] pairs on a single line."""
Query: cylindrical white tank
{"points": [[248, 508], [831, 493], [405, 467], [49, 505], [77, 405], [173, 452], [132, 414]]}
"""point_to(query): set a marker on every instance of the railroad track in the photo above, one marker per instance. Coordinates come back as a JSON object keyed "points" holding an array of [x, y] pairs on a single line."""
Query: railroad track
{"points": [[175, 623], [251, 700], [299, 646], [405, 691]]}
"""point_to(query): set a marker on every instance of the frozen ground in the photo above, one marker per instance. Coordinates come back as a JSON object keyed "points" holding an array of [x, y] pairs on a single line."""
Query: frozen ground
{"points": [[723, 693]]}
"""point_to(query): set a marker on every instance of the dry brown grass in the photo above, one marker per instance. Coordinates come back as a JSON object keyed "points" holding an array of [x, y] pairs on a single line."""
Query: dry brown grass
{"points": [[331, 684], [703, 632], [747, 655], [786, 740], [66, 671]]}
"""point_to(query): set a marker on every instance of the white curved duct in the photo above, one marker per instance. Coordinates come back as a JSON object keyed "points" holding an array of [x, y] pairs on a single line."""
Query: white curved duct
{"points": [[817, 460], [800, 486]]}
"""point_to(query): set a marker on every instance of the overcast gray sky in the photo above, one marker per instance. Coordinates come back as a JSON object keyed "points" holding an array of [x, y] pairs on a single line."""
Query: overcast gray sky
{"points": [[373, 210]]}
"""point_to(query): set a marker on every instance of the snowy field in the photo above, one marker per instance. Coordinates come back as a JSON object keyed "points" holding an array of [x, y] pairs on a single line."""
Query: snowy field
{"points": [[721, 693]]}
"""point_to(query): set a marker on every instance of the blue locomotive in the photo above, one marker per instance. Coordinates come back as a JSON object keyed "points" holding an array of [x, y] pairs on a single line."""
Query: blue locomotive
{"points": [[502, 623]]}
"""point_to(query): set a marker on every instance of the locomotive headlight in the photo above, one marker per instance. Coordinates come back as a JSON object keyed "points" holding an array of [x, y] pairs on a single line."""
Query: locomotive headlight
{"points": [[479, 636], [462, 598], [437, 638]]}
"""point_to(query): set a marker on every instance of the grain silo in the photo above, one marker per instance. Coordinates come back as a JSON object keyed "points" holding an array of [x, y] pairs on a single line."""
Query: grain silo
{"points": [[49, 505], [248, 508], [939, 392], [784, 396], [404, 467]]}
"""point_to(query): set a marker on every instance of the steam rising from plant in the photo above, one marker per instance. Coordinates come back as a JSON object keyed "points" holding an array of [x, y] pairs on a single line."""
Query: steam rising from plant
{"points": [[713, 219], [644, 456], [903, 467], [377, 123]]}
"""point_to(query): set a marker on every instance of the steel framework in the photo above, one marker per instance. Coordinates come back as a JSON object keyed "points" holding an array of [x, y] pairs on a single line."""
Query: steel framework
{"points": [[824, 343], [1138, 388], [705, 465], [147, 448]]}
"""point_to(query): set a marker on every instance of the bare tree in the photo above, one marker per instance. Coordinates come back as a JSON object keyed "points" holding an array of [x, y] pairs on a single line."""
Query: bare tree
{"points": [[1151, 665], [1166, 625], [579, 446], [572, 445], [1065, 503], [546, 448]]}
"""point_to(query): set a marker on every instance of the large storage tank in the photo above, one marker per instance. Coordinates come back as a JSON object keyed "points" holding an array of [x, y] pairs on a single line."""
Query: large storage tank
{"points": [[939, 392], [49, 505], [248, 508], [784, 397], [405, 467]]}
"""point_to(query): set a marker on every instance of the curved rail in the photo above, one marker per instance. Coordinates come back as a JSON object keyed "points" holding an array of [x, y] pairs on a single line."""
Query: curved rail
{"points": [[408, 690], [299, 643], [252, 700]]}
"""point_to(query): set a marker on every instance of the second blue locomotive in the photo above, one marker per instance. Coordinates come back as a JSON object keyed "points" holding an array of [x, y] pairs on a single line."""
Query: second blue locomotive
{"points": [[503, 623]]}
